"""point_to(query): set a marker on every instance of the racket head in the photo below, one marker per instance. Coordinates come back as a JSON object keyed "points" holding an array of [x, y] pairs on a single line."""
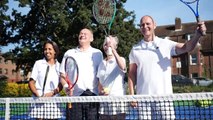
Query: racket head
{"points": [[194, 8], [104, 12], [71, 72]]}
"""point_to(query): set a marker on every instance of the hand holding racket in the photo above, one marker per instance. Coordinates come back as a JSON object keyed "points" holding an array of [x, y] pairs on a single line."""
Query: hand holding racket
{"points": [[195, 10], [104, 13]]}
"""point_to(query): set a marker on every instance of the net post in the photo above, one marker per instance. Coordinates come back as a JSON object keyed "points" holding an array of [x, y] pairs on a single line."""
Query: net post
{"points": [[7, 109]]}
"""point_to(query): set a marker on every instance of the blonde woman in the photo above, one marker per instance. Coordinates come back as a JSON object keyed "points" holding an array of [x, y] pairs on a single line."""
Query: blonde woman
{"points": [[111, 73]]}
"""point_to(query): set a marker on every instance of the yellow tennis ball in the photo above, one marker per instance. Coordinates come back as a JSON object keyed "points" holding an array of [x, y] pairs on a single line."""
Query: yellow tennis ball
{"points": [[204, 103], [106, 90]]}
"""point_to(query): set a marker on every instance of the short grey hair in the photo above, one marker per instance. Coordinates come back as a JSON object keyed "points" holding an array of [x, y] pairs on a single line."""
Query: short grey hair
{"points": [[114, 37]]}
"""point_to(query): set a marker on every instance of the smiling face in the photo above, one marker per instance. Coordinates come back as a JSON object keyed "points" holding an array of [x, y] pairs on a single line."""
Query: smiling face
{"points": [[147, 27], [85, 37], [49, 51]]}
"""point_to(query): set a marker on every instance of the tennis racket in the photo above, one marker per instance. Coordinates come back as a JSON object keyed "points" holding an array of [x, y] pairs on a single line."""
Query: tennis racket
{"points": [[104, 13], [194, 7], [71, 73]]}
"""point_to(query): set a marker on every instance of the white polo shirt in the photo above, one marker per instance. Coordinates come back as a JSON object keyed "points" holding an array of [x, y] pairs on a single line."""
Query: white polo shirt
{"points": [[38, 74], [88, 62], [153, 66], [111, 76]]}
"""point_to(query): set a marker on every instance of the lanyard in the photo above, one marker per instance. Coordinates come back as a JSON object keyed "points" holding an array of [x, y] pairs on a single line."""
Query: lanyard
{"points": [[45, 79]]}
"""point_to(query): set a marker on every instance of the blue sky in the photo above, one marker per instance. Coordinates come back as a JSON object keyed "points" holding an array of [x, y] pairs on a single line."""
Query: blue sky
{"points": [[164, 12]]}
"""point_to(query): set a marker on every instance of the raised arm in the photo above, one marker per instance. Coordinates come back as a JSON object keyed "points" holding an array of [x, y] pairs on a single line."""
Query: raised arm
{"points": [[120, 60], [190, 45]]}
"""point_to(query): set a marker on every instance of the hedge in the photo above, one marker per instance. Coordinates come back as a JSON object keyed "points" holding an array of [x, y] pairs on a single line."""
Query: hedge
{"points": [[17, 90]]}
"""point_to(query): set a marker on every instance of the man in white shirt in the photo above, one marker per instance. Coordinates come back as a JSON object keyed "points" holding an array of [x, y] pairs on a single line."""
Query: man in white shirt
{"points": [[149, 63], [88, 59]]}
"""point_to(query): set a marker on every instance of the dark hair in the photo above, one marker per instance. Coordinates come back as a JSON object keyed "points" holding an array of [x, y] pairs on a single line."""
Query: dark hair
{"points": [[55, 47]]}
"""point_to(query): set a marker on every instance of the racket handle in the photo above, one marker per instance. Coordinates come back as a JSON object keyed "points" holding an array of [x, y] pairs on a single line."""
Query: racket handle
{"points": [[198, 20], [69, 105]]}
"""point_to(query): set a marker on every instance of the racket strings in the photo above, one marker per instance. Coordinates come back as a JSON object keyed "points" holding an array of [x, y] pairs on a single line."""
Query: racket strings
{"points": [[103, 11], [71, 70], [71, 73]]}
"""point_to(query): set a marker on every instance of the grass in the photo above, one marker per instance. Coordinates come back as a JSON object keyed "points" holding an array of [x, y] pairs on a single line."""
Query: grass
{"points": [[198, 103]]}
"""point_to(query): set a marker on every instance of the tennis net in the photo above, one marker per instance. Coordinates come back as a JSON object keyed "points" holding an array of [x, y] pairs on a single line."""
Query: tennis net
{"points": [[177, 106]]}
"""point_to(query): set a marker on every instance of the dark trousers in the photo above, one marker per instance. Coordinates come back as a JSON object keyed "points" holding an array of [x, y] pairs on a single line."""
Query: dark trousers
{"points": [[83, 111]]}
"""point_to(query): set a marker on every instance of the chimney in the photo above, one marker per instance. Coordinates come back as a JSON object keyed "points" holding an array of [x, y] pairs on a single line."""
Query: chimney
{"points": [[178, 26]]}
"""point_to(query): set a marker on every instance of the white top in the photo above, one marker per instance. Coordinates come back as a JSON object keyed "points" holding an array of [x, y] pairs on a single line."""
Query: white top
{"points": [[153, 66], [111, 76], [38, 74], [88, 62]]}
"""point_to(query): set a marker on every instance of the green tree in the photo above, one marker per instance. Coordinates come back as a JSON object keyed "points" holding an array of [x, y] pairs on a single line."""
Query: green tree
{"points": [[3, 83], [61, 21], [4, 19]]}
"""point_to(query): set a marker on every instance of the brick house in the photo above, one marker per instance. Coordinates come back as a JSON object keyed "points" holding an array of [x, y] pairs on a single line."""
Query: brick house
{"points": [[197, 63], [8, 69]]}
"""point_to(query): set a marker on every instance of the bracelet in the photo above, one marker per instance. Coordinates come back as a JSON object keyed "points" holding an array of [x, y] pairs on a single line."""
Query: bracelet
{"points": [[55, 91]]}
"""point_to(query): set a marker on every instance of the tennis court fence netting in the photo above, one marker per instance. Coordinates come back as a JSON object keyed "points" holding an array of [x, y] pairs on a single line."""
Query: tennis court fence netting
{"points": [[188, 106]]}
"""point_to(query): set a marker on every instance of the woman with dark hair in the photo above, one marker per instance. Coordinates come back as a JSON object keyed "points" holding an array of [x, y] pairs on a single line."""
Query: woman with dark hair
{"points": [[44, 82]]}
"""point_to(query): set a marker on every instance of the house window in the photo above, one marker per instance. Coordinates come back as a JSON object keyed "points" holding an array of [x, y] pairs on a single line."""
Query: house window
{"points": [[188, 36], [193, 59], [201, 59], [178, 64], [22, 72], [0, 70], [194, 75], [0, 60], [6, 71], [13, 72]]}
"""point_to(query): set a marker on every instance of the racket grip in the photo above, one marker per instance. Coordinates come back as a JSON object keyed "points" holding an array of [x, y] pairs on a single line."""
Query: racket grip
{"points": [[198, 20], [69, 105]]}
